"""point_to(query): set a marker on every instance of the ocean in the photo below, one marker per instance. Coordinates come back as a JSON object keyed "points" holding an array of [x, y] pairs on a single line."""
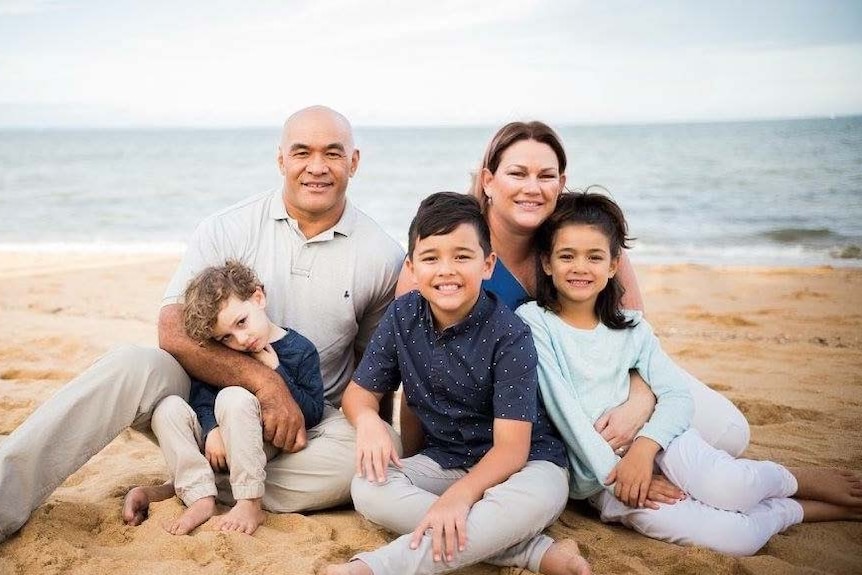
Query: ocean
{"points": [[736, 193]]}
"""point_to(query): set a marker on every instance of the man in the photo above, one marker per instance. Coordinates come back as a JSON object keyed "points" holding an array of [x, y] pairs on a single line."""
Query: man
{"points": [[329, 272]]}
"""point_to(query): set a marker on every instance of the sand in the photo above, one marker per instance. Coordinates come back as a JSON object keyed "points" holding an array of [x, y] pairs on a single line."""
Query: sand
{"points": [[783, 344]]}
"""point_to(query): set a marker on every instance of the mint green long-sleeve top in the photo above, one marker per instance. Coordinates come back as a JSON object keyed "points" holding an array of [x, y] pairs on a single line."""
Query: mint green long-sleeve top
{"points": [[584, 373]]}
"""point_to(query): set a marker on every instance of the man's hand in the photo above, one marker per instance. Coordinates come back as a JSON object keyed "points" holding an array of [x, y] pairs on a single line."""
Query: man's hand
{"points": [[447, 520], [267, 357], [283, 422], [633, 474], [214, 450], [618, 426], [374, 448]]}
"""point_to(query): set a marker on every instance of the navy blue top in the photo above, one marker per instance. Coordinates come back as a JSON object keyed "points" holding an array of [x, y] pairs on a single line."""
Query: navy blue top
{"points": [[506, 286], [298, 366], [458, 381]]}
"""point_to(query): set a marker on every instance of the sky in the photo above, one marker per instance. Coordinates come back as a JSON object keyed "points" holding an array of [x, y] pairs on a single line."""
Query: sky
{"points": [[217, 63]]}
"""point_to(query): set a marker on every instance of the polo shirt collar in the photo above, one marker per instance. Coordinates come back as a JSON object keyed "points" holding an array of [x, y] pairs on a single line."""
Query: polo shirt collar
{"points": [[479, 315], [343, 226]]}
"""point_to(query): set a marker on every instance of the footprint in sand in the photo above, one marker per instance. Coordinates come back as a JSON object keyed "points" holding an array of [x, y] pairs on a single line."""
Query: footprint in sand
{"points": [[766, 413]]}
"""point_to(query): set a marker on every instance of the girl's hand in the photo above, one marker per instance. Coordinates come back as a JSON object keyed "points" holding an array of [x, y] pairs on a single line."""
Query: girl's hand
{"points": [[618, 426], [633, 474], [374, 448], [267, 356], [447, 520], [214, 450]]}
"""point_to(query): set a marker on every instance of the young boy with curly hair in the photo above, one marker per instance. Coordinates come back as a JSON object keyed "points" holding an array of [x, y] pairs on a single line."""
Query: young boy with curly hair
{"points": [[219, 430]]}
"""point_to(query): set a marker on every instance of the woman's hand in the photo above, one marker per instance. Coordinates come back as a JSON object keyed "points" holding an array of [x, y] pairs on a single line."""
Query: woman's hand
{"points": [[618, 426]]}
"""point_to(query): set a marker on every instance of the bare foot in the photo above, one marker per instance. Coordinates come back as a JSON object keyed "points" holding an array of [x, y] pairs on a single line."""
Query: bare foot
{"points": [[350, 568], [813, 511], [246, 516], [839, 486], [564, 558], [136, 504], [196, 514]]}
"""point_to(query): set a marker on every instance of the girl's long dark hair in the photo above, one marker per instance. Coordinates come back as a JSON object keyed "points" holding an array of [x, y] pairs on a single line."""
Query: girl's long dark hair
{"points": [[592, 209]]}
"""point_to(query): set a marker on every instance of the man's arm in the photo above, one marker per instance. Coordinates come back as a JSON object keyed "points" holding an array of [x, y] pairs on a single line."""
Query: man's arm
{"points": [[283, 424]]}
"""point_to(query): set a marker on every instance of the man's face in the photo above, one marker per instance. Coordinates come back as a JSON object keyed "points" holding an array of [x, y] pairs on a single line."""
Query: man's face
{"points": [[316, 158]]}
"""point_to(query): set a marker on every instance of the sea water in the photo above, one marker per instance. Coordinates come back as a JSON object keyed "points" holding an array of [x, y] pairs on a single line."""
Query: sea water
{"points": [[746, 193]]}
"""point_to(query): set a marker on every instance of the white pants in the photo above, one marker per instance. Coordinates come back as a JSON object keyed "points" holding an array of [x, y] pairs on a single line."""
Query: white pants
{"points": [[120, 390], [719, 422], [503, 528], [733, 506]]}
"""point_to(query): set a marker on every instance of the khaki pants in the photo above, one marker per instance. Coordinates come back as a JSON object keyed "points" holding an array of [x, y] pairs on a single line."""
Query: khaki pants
{"points": [[503, 528], [122, 389]]}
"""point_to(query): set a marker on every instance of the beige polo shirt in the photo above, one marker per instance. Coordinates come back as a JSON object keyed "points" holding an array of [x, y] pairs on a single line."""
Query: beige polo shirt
{"points": [[332, 288]]}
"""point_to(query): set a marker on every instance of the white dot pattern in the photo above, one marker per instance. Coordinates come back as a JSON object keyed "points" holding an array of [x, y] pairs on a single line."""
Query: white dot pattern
{"points": [[459, 380]]}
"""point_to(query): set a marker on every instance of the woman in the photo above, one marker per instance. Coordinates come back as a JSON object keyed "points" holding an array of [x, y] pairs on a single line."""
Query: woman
{"points": [[521, 176]]}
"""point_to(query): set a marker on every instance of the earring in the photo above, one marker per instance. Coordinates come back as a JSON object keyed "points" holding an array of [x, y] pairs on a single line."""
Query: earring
{"points": [[490, 199]]}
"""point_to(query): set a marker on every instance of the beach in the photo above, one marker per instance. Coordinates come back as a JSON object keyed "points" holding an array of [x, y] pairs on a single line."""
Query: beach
{"points": [[784, 344]]}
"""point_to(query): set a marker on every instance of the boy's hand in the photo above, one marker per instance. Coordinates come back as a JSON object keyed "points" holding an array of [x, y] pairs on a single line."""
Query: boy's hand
{"points": [[374, 448], [633, 474], [214, 450], [267, 356], [447, 520]]}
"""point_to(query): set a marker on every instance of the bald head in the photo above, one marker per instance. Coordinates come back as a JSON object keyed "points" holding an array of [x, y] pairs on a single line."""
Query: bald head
{"points": [[317, 158], [321, 118]]}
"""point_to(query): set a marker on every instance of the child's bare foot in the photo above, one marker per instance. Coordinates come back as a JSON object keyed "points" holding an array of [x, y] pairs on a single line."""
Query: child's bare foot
{"points": [[564, 558], [821, 511], [349, 568], [246, 516], [196, 514], [136, 504], [839, 486]]}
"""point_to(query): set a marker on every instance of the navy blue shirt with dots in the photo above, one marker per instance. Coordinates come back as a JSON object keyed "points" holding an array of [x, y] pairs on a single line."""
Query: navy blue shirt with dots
{"points": [[459, 380]]}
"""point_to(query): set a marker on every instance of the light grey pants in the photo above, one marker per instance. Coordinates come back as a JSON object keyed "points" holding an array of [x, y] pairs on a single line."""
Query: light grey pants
{"points": [[120, 390], [503, 528]]}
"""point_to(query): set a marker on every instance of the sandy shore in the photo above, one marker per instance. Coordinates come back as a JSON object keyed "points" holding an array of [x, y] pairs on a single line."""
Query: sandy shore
{"points": [[784, 344]]}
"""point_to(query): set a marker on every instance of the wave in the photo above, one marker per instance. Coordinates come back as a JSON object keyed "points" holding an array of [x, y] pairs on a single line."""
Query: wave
{"points": [[800, 235]]}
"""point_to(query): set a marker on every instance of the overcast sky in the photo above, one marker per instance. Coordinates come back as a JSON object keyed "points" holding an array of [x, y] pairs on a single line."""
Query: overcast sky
{"points": [[388, 62]]}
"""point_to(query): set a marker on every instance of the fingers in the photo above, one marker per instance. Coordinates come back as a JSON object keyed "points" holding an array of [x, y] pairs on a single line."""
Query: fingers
{"points": [[601, 423], [300, 442], [393, 457], [269, 429], [279, 437], [449, 535], [418, 533]]}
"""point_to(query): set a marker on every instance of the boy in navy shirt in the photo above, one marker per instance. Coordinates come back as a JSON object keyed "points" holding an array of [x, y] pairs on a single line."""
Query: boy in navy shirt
{"points": [[468, 366], [219, 430]]}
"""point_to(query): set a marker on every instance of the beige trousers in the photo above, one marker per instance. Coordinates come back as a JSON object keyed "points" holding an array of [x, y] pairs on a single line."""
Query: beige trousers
{"points": [[503, 528], [122, 389]]}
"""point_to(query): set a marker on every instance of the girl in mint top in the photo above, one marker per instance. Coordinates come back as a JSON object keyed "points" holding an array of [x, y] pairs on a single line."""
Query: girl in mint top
{"points": [[586, 346]]}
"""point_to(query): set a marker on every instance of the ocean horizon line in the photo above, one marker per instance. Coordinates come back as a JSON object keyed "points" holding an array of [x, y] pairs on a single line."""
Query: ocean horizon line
{"points": [[119, 127]]}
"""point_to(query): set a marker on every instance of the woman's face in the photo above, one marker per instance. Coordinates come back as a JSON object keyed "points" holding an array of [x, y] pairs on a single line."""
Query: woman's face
{"points": [[523, 191]]}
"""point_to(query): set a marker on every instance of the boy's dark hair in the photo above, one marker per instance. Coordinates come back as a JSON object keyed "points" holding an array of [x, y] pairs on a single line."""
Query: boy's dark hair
{"points": [[440, 213], [592, 209], [208, 290]]}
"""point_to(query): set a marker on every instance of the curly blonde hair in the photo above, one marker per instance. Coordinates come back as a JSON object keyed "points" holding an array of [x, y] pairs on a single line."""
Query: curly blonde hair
{"points": [[207, 292]]}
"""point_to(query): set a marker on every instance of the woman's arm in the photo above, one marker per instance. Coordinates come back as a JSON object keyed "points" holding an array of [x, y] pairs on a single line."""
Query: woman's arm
{"points": [[632, 298], [620, 425], [447, 518]]}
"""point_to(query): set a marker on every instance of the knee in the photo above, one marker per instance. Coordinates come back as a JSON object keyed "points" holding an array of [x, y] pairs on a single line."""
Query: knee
{"points": [[235, 399], [370, 500], [737, 433], [173, 408]]}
